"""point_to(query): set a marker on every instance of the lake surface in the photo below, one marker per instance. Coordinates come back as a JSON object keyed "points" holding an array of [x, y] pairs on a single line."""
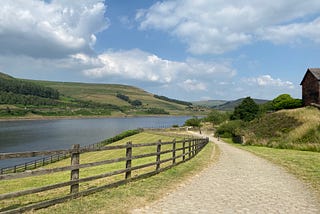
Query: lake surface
{"points": [[19, 136]]}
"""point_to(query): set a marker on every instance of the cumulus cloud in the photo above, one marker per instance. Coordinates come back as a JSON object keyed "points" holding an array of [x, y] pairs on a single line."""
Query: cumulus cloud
{"points": [[50, 29], [146, 67], [215, 27], [193, 85], [267, 80]]}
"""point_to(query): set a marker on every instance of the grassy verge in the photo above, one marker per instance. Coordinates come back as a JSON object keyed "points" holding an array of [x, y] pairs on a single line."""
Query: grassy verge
{"points": [[116, 200], [304, 164], [137, 194]]}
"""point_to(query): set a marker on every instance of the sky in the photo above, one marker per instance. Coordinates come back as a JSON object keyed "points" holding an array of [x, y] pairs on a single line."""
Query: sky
{"points": [[183, 49]]}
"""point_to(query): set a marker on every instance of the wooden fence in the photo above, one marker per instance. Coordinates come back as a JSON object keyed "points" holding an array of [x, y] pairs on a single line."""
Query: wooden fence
{"points": [[166, 154], [41, 161]]}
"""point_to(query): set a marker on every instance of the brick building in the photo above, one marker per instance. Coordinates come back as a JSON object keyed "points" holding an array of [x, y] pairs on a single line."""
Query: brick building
{"points": [[311, 87]]}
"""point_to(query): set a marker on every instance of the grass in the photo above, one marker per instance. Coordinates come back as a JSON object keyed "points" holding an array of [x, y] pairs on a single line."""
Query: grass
{"points": [[116, 200], [287, 129], [303, 164]]}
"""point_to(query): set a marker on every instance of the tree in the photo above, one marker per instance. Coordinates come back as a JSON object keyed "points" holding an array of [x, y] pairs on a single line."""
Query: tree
{"points": [[246, 111], [194, 122], [216, 117], [285, 101]]}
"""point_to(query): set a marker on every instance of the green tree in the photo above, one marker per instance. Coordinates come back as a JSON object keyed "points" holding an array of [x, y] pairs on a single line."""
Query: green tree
{"points": [[216, 117], [246, 111], [285, 101]]}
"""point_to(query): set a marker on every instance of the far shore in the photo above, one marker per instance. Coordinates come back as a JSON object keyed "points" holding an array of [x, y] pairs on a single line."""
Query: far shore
{"points": [[37, 117]]}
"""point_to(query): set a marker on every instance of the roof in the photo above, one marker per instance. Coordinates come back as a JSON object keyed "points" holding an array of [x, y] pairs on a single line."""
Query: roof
{"points": [[314, 71]]}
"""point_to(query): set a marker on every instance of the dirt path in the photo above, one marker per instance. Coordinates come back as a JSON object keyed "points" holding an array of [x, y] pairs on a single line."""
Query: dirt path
{"points": [[238, 183]]}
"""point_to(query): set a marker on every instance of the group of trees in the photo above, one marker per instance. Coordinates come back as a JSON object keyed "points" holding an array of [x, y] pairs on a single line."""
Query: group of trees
{"points": [[229, 123], [27, 88], [173, 100], [127, 99]]}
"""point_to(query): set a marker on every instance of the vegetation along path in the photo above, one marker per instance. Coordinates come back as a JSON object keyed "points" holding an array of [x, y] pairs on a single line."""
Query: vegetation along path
{"points": [[239, 182]]}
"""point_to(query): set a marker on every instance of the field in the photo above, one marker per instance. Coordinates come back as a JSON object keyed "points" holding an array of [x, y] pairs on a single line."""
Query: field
{"points": [[119, 199], [106, 94], [286, 129]]}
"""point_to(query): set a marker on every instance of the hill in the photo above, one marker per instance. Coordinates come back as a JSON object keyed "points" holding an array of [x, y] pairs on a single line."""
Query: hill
{"points": [[209, 103], [82, 99], [230, 105], [290, 129]]}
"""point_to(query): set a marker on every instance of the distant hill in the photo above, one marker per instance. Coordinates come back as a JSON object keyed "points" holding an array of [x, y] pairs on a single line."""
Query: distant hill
{"points": [[209, 103], [47, 98], [230, 105], [223, 104]]}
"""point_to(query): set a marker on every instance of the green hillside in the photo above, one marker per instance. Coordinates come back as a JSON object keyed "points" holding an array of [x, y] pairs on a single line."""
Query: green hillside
{"points": [[230, 105], [287, 129], [32, 97]]}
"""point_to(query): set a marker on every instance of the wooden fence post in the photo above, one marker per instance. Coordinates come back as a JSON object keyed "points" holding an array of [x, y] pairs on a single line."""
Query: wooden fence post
{"points": [[158, 155], [190, 148], [183, 149], [75, 160], [128, 162], [174, 151]]}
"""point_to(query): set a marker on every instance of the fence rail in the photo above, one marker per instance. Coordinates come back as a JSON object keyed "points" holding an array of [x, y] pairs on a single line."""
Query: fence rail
{"points": [[50, 157], [166, 154]]}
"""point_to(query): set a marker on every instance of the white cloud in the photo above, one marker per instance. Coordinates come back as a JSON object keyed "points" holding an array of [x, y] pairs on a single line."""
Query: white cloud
{"points": [[267, 80], [193, 85], [293, 33], [146, 67], [56, 29], [215, 26], [135, 64]]}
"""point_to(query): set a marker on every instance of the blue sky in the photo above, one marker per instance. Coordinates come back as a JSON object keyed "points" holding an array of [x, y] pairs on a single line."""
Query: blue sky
{"points": [[183, 49]]}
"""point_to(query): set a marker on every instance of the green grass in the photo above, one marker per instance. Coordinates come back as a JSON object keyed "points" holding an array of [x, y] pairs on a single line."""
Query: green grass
{"points": [[106, 93], [287, 129], [304, 164], [140, 191]]}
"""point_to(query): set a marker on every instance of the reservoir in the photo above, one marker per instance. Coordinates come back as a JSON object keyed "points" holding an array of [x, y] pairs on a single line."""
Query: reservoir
{"points": [[38, 135]]}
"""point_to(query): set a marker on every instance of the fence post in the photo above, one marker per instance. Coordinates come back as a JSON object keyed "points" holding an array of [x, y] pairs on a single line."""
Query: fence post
{"points": [[75, 160], [158, 155], [174, 151], [183, 149], [128, 162], [190, 148]]}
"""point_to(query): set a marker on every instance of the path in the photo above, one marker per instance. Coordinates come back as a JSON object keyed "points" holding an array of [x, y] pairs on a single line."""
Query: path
{"points": [[238, 183]]}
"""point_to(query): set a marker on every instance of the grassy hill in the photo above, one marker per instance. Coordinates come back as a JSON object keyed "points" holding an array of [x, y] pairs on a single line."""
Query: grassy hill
{"points": [[84, 99], [288, 129], [230, 105], [210, 103]]}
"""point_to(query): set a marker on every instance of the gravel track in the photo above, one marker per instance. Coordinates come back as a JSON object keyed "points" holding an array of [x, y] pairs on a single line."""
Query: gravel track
{"points": [[239, 182]]}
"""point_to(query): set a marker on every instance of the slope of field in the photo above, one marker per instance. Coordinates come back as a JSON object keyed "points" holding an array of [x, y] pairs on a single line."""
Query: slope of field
{"points": [[107, 94], [287, 129], [230, 105], [29, 98]]}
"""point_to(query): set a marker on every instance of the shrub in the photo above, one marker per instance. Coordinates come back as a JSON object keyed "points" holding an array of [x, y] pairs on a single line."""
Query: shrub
{"points": [[121, 136], [285, 101], [229, 129], [194, 122]]}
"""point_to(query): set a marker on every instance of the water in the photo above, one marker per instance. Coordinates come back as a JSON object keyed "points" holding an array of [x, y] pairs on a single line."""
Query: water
{"points": [[19, 136]]}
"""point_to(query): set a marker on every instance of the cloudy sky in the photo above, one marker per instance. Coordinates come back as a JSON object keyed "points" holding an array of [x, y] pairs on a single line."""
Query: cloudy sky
{"points": [[184, 49]]}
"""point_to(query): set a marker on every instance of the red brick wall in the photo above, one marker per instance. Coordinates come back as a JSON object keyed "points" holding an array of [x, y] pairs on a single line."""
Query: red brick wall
{"points": [[310, 90]]}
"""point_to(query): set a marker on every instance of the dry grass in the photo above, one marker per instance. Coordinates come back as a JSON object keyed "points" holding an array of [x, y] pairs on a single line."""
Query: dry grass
{"points": [[37, 181]]}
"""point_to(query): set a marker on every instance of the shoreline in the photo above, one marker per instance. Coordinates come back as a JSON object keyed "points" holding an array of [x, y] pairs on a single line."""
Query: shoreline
{"points": [[34, 118]]}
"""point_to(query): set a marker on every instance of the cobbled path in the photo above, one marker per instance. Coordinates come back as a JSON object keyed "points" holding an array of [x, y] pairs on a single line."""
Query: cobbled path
{"points": [[238, 183]]}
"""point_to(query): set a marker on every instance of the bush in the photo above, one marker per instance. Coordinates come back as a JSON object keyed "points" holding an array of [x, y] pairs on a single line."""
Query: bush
{"points": [[285, 101], [217, 117], [229, 129], [121, 136], [194, 122]]}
